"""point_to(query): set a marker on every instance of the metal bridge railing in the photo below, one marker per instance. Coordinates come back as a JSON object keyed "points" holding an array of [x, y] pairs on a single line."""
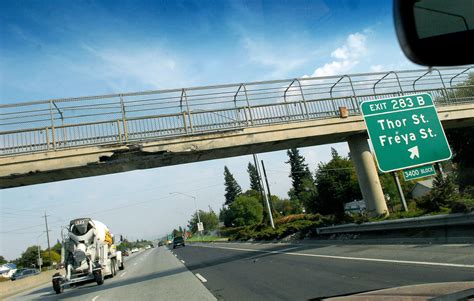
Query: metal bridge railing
{"points": [[134, 117]]}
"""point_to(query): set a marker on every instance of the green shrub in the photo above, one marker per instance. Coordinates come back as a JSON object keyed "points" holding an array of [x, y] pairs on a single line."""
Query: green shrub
{"points": [[464, 205], [298, 223]]}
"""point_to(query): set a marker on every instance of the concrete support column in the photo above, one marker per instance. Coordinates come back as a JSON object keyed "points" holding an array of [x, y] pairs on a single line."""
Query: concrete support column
{"points": [[367, 175]]}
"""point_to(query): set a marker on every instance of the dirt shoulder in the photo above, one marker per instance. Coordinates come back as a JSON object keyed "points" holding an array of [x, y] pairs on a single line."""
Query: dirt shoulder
{"points": [[10, 288]]}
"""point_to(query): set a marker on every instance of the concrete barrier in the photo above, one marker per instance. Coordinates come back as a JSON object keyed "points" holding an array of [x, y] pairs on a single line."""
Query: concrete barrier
{"points": [[444, 220]]}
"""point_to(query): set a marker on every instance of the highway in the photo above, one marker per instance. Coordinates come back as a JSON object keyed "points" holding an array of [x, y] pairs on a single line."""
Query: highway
{"points": [[153, 274], [271, 271], [244, 271]]}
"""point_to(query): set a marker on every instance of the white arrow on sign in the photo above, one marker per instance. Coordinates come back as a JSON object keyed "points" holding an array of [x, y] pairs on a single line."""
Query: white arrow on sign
{"points": [[414, 152]]}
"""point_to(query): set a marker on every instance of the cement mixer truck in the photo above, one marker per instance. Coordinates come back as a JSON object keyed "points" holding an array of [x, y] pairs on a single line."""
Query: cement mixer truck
{"points": [[88, 253]]}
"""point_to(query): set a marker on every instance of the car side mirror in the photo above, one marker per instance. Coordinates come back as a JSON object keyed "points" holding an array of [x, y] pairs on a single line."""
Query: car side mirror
{"points": [[436, 32]]}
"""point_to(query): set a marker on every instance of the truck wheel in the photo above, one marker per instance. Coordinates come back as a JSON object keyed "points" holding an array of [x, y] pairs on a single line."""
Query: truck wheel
{"points": [[116, 268], [98, 277], [57, 285], [121, 267], [112, 268]]}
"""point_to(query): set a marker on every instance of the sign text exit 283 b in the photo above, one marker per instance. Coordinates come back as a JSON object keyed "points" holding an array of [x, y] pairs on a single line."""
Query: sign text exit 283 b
{"points": [[405, 131]]}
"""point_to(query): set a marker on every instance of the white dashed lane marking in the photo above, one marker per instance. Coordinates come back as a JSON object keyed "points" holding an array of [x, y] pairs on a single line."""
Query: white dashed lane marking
{"points": [[203, 280]]}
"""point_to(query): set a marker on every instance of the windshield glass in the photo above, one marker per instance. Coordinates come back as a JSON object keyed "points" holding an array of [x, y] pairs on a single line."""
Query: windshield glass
{"points": [[274, 150]]}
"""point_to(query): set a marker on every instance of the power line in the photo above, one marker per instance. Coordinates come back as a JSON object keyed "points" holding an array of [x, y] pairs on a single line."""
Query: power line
{"points": [[23, 228], [134, 192], [126, 205]]}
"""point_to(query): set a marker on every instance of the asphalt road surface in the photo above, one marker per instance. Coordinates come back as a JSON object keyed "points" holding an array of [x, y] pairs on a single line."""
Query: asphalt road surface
{"points": [[154, 274], [244, 271]]}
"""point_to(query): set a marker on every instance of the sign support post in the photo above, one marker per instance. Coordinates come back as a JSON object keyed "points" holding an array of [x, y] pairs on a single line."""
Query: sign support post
{"points": [[400, 190]]}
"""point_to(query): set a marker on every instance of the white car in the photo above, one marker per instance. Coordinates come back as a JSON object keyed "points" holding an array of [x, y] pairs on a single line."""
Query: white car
{"points": [[134, 250]]}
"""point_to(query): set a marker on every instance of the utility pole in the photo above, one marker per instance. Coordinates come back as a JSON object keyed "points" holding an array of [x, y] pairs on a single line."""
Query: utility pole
{"points": [[257, 167], [47, 237]]}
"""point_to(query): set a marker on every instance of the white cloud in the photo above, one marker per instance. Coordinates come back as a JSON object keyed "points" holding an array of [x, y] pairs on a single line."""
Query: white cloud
{"points": [[340, 53], [400, 64], [333, 68], [346, 57]]}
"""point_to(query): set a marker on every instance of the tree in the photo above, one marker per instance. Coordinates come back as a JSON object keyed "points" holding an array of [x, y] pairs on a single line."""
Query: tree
{"points": [[2, 260], [57, 247], [55, 257], [461, 141], [225, 216], [232, 188], [336, 185], [254, 178], [246, 210], [28, 258], [286, 206], [444, 192], [389, 188], [308, 197], [299, 171], [209, 220]]}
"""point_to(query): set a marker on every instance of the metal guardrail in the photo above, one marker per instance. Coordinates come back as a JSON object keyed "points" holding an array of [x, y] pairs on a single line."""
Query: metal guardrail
{"points": [[405, 223], [54, 124]]}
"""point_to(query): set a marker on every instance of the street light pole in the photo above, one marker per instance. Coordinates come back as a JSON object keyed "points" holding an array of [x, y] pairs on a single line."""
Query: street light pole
{"points": [[195, 206]]}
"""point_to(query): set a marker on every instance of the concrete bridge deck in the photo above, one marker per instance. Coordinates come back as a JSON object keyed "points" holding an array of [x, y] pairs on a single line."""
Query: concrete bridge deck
{"points": [[63, 139]]}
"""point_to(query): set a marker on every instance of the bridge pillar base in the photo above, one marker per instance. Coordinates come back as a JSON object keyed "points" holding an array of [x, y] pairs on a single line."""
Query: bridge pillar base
{"points": [[367, 175]]}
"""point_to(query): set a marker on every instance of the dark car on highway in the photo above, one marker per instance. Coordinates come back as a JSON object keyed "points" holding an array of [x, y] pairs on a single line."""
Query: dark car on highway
{"points": [[23, 273], [178, 241]]}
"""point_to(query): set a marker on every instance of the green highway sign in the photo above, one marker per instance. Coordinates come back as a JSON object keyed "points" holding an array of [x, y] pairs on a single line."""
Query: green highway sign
{"points": [[405, 131], [419, 172]]}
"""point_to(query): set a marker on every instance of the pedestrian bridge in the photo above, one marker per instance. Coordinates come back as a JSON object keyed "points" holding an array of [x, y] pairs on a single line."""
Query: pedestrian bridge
{"points": [[59, 139]]}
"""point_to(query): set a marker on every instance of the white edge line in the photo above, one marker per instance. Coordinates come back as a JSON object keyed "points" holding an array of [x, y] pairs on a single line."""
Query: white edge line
{"points": [[95, 298], [456, 265], [123, 274], [183, 261], [203, 280]]}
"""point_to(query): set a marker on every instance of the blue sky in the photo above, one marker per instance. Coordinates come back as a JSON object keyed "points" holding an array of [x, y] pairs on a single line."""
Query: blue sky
{"points": [[53, 49]]}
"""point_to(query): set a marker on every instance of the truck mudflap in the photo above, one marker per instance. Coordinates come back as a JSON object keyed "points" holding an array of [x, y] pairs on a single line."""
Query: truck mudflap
{"points": [[60, 281]]}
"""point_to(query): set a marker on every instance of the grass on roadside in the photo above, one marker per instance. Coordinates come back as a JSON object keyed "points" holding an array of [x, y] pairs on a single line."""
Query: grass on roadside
{"points": [[206, 238]]}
